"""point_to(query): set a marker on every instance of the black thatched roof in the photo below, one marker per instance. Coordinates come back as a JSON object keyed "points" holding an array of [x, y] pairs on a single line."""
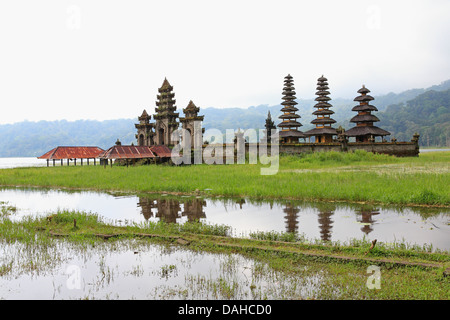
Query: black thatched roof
{"points": [[289, 103], [321, 131], [364, 118], [322, 98], [291, 133], [289, 116], [366, 130], [363, 90], [323, 121], [364, 98], [288, 91], [290, 124], [322, 104], [364, 107], [322, 112], [289, 109]]}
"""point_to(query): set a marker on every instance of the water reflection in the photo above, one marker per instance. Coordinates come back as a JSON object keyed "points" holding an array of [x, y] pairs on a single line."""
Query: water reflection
{"points": [[365, 217], [170, 210], [325, 221], [291, 217]]}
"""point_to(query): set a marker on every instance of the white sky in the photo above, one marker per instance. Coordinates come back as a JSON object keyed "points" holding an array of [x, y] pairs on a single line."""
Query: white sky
{"points": [[106, 59]]}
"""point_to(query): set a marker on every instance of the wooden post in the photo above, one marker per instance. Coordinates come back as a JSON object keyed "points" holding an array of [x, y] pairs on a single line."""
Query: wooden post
{"points": [[111, 162], [47, 163], [53, 162], [67, 162], [87, 161], [61, 163], [81, 161], [94, 161], [75, 161]]}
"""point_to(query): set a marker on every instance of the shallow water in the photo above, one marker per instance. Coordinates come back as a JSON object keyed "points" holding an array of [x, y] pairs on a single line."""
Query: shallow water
{"points": [[315, 221], [142, 271]]}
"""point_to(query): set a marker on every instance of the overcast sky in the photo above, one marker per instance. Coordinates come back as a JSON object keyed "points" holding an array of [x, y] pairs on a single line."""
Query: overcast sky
{"points": [[106, 59]]}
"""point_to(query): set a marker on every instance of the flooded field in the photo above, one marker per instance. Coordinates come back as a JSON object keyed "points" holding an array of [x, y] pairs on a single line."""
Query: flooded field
{"points": [[314, 221], [136, 270], [57, 268]]}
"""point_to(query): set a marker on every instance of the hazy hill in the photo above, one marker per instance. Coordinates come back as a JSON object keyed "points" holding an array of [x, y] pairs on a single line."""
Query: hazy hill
{"points": [[428, 114], [35, 138], [417, 110]]}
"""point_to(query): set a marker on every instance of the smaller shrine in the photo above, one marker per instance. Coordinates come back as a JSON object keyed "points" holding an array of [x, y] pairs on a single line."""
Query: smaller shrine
{"points": [[365, 131]]}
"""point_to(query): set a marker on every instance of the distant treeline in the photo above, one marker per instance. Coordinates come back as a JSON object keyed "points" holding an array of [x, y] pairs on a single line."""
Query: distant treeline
{"points": [[426, 111], [32, 139]]}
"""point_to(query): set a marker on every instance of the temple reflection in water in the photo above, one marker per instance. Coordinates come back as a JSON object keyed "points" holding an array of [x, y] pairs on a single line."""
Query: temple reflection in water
{"points": [[171, 210], [365, 217], [325, 221]]}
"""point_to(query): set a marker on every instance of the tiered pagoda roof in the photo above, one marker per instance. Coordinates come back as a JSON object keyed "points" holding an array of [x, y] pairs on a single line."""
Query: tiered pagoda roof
{"points": [[166, 103], [191, 112], [144, 120], [323, 121], [289, 125], [364, 119]]}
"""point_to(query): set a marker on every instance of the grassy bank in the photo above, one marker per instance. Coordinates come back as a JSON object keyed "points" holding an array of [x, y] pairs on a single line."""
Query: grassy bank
{"points": [[406, 273], [332, 176]]}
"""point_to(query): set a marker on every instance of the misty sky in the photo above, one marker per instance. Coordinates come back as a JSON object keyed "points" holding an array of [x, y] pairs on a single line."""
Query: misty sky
{"points": [[106, 59]]}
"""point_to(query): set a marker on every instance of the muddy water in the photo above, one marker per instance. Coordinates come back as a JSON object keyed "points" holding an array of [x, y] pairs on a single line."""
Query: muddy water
{"points": [[315, 221]]}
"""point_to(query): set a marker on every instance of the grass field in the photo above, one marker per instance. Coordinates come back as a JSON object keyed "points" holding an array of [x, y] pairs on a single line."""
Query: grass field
{"points": [[331, 176]]}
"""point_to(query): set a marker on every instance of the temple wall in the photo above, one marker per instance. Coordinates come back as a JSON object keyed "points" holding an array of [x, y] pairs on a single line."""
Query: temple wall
{"points": [[399, 149], [309, 148]]}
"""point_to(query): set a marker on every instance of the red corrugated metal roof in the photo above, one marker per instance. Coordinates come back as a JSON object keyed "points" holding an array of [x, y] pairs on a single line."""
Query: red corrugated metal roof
{"points": [[162, 151], [128, 152], [72, 153]]}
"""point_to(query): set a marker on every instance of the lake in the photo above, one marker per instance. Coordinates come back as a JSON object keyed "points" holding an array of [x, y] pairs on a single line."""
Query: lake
{"points": [[6, 163]]}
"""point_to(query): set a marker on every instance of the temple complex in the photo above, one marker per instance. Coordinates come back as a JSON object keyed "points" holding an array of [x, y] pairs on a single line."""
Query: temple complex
{"points": [[166, 119], [155, 139], [323, 132], [365, 131], [289, 126]]}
